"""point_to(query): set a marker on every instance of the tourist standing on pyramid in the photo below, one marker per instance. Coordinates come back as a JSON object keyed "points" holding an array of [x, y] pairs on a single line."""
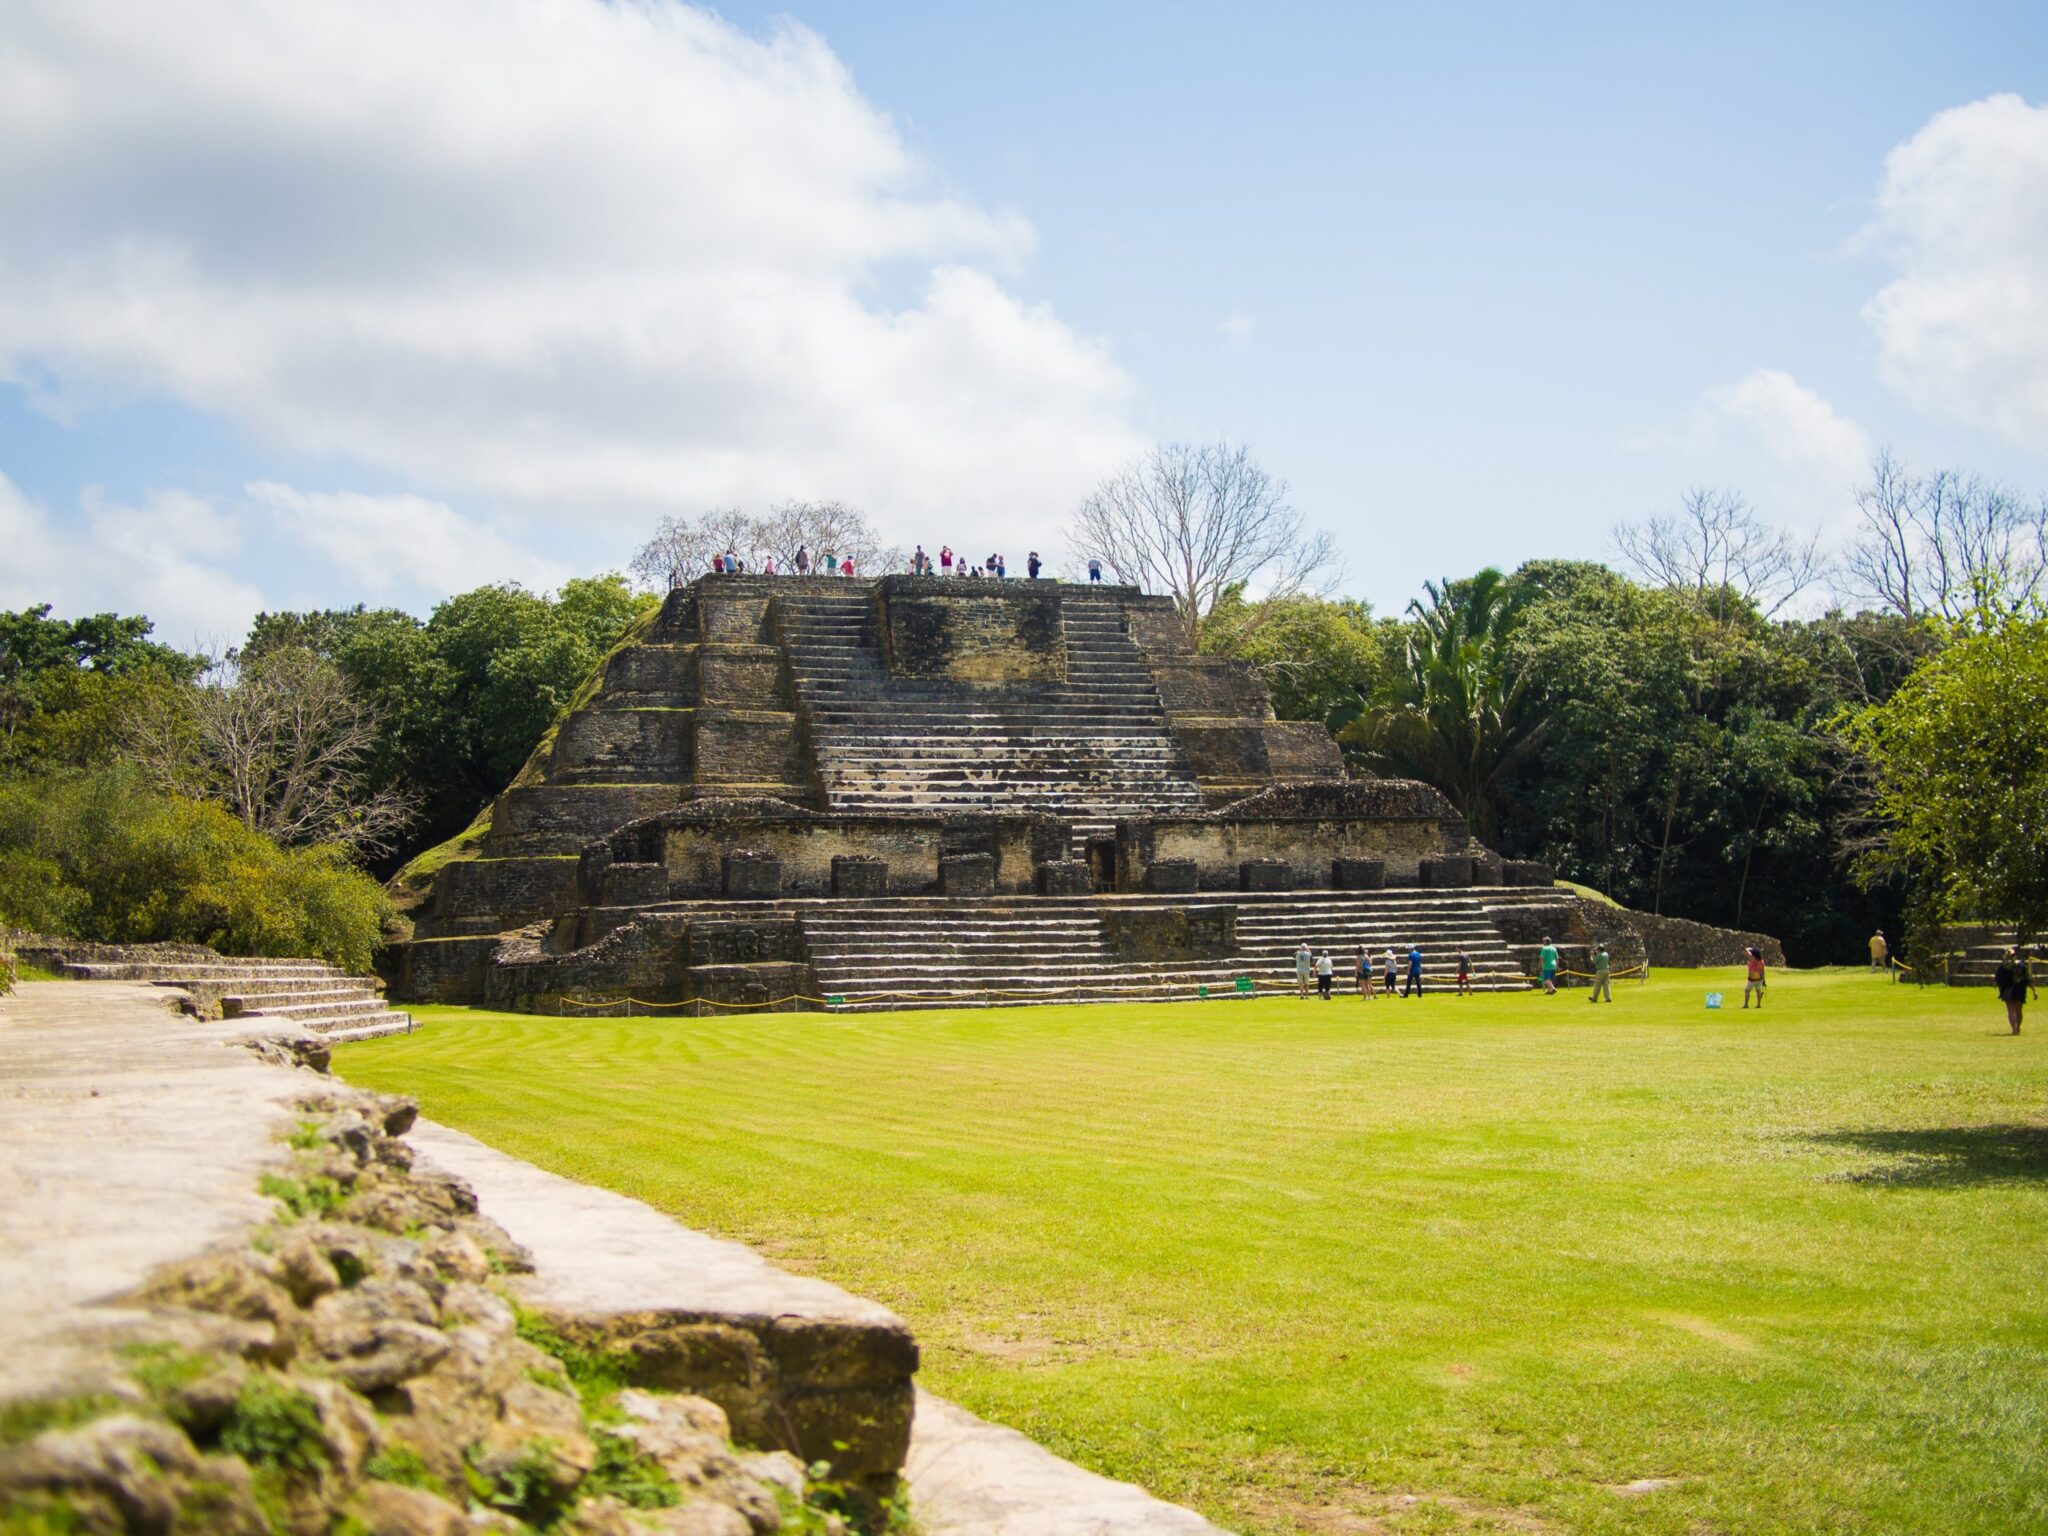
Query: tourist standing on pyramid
{"points": [[1094, 569], [803, 561], [1031, 564]]}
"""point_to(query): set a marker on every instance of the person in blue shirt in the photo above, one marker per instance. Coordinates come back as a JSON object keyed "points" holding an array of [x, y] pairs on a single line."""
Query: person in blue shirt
{"points": [[1414, 981]]}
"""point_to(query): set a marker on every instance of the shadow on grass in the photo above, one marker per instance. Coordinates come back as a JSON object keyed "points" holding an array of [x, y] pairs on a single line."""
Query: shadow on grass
{"points": [[1947, 1157]]}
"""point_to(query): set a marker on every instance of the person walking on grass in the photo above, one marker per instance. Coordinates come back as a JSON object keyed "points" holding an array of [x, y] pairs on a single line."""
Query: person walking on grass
{"points": [[1363, 962], [1304, 962], [1392, 966], [1880, 951], [2015, 981], [1326, 973], [1546, 967], [1603, 982], [1754, 985], [1464, 974]]}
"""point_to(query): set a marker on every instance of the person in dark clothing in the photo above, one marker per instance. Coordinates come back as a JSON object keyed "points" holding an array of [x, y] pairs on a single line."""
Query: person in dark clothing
{"points": [[1414, 980], [2015, 981], [1032, 564], [1094, 569]]}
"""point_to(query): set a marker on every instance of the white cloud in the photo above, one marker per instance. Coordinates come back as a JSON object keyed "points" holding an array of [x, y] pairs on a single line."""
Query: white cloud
{"points": [[585, 260], [1236, 329], [151, 559], [393, 541], [1964, 216], [1776, 442]]}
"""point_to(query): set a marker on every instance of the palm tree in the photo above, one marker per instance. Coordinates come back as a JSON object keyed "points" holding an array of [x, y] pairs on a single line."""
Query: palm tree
{"points": [[1461, 713]]}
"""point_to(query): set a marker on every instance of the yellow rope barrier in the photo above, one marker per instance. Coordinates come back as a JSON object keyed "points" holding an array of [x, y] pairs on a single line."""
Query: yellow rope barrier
{"points": [[1243, 986]]}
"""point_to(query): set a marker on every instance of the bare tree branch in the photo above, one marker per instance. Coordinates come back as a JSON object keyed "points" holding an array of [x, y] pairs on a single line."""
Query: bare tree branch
{"points": [[285, 744], [1945, 543], [1718, 548], [1193, 522]]}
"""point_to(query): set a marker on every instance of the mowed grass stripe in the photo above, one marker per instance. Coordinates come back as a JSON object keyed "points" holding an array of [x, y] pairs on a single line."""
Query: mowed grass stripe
{"points": [[1280, 1258]]}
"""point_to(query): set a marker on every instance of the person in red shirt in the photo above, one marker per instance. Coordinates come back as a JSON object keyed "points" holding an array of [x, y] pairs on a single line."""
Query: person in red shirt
{"points": [[1754, 987]]}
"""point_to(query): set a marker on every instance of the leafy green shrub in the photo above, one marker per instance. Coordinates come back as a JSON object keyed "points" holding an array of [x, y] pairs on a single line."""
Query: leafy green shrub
{"points": [[97, 854], [271, 1425], [401, 1464]]}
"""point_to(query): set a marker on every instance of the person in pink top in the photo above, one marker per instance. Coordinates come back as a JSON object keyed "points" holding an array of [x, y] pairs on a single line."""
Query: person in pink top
{"points": [[846, 566]]}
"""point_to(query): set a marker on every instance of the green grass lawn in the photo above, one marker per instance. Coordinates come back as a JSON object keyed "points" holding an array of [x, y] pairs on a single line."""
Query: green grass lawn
{"points": [[1448, 1265]]}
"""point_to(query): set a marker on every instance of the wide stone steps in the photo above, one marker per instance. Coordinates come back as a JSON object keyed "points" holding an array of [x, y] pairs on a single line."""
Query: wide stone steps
{"points": [[1053, 950], [309, 994]]}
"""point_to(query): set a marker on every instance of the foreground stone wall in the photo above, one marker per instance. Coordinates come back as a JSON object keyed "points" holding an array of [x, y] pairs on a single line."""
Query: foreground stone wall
{"points": [[362, 1363]]}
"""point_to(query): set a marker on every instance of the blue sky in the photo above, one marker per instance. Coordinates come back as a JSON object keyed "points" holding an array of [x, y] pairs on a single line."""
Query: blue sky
{"points": [[1479, 281]]}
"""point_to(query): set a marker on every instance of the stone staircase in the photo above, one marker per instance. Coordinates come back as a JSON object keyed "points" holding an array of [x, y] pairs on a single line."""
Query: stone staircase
{"points": [[1094, 749], [949, 952], [1975, 961], [311, 994]]}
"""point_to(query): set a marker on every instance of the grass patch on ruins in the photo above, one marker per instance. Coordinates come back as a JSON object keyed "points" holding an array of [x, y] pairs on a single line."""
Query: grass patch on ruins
{"points": [[1293, 1262]]}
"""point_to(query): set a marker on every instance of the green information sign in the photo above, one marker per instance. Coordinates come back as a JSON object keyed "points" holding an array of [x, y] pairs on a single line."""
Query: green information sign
{"points": [[835, 1002], [1244, 983]]}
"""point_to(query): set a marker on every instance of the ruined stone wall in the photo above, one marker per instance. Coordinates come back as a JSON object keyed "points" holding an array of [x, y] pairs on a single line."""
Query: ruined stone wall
{"points": [[999, 632], [362, 1362]]}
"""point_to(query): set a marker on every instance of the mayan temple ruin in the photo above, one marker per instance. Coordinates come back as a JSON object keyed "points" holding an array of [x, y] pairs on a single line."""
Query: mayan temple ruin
{"points": [[917, 791]]}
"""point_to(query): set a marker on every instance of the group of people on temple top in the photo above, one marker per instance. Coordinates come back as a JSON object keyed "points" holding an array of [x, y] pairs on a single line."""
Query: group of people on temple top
{"points": [[732, 563]]}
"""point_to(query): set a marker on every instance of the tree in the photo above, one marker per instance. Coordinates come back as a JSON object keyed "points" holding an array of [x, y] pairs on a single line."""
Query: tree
{"points": [[44, 661], [682, 547], [821, 526], [1315, 655], [1946, 544], [1961, 756], [1718, 549], [1194, 522], [1461, 713], [284, 744]]}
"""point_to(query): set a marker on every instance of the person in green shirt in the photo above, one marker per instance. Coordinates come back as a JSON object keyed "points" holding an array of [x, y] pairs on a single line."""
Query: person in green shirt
{"points": [[1546, 965], [1603, 985]]}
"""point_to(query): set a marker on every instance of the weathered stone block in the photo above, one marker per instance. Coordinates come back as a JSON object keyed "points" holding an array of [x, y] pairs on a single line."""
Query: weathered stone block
{"points": [[859, 875], [1302, 749], [967, 874], [1264, 875], [1172, 875], [751, 876], [1171, 933], [1446, 871], [634, 885], [741, 676], [1063, 877], [1526, 872], [1486, 866], [1358, 874], [1001, 635]]}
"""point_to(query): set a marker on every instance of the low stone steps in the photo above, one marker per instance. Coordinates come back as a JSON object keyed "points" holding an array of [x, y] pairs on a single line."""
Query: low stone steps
{"points": [[310, 994]]}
